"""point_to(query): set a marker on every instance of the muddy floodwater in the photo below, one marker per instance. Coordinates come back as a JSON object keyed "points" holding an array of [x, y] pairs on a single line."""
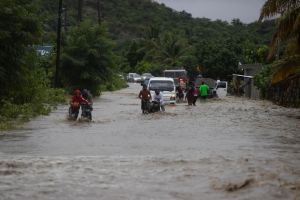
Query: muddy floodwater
{"points": [[231, 148]]}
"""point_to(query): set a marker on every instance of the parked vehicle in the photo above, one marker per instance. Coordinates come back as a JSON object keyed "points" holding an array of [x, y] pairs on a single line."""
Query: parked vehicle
{"points": [[166, 86], [219, 90], [134, 78], [129, 76], [121, 76], [179, 76], [146, 81], [144, 76]]}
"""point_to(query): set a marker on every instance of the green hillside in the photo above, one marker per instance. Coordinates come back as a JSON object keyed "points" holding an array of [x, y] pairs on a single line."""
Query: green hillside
{"points": [[128, 19]]}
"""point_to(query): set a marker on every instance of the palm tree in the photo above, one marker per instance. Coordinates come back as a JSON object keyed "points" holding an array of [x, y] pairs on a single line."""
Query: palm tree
{"points": [[166, 49], [287, 31], [153, 31]]}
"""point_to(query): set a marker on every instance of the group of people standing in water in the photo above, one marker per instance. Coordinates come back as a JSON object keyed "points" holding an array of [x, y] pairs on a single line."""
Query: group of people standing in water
{"points": [[192, 93]]}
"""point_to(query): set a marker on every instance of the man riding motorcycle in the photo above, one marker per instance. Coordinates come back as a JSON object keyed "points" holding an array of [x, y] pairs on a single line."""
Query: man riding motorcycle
{"points": [[158, 97], [75, 103], [89, 97]]}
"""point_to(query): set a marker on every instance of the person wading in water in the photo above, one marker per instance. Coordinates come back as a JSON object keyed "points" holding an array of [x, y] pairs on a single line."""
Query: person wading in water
{"points": [[190, 93], [144, 95]]}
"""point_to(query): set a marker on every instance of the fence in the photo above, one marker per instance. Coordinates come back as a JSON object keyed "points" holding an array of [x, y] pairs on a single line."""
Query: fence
{"points": [[285, 93]]}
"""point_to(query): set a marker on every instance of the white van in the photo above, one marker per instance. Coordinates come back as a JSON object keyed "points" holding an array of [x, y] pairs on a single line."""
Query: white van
{"points": [[221, 89], [166, 86]]}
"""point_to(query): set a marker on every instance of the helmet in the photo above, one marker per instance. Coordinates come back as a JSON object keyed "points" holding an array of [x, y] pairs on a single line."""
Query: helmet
{"points": [[84, 91]]}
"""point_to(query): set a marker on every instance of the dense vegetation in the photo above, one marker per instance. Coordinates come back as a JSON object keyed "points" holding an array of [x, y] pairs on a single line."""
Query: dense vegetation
{"points": [[280, 82], [129, 19], [151, 37], [87, 61]]}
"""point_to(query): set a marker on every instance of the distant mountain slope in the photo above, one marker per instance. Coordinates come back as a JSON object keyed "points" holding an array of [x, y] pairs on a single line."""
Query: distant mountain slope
{"points": [[127, 19]]}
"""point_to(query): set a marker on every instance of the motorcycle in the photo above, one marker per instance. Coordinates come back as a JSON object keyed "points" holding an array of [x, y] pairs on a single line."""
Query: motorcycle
{"points": [[72, 114], [152, 107], [86, 112]]}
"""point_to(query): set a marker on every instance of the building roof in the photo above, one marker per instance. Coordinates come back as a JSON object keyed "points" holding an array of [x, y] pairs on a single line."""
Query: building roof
{"points": [[249, 66], [242, 76]]}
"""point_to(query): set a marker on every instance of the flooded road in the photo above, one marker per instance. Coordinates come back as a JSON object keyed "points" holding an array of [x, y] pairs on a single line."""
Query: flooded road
{"points": [[230, 148]]}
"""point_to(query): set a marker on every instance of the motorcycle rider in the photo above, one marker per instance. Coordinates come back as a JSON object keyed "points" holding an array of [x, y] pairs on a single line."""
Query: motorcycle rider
{"points": [[158, 96], [89, 97], [75, 103]]}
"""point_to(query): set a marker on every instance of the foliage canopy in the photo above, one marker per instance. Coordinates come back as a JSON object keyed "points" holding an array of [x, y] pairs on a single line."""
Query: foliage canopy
{"points": [[87, 59], [19, 28]]}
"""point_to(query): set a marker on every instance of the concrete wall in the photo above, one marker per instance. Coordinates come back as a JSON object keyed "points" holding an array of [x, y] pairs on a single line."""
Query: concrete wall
{"points": [[255, 92], [247, 88]]}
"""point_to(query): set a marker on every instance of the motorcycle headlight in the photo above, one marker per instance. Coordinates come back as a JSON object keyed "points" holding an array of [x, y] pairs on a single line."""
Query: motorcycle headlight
{"points": [[173, 95]]}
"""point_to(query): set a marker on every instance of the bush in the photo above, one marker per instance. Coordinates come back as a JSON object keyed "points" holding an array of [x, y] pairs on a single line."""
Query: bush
{"points": [[116, 83], [298, 103], [35, 98], [262, 80]]}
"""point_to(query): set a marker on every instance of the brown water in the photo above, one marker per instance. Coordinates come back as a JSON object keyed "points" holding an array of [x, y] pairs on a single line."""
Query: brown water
{"points": [[222, 149]]}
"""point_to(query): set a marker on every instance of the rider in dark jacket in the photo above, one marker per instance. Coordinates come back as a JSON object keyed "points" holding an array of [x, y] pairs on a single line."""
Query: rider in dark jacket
{"points": [[87, 96]]}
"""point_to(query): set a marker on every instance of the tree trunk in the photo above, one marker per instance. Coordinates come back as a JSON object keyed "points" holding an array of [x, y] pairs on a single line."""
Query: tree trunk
{"points": [[99, 14], [79, 11]]}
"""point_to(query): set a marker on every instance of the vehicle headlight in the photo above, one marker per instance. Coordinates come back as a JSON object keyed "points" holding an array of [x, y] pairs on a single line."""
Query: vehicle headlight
{"points": [[173, 95]]}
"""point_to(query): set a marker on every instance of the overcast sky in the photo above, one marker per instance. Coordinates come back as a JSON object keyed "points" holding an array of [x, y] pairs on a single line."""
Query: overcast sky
{"points": [[247, 10]]}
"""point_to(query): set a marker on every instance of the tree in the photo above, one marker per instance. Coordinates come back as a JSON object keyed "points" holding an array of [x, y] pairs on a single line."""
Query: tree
{"points": [[142, 67], [88, 59], [237, 22], [134, 56], [255, 54], [166, 49], [190, 64], [153, 31], [287, 31], [19, 28], [219, 58]]}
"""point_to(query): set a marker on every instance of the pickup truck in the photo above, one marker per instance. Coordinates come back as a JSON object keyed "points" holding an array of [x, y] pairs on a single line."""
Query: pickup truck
{"points": [[219, 90]]}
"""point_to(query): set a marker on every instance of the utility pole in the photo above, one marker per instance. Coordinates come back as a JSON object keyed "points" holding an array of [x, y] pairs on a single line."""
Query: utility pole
{"points": [[99, 14], [79, 11], [66, 20], [58, 45]]}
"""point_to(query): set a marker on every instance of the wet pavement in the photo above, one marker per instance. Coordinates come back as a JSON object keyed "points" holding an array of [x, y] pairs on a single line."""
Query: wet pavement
{"points": [[230, 148]]}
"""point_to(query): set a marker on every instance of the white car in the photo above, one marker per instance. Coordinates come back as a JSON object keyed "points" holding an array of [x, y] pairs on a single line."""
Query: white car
{"points": [[134, 78], [166, 86], [221, 89], [130, 76]]}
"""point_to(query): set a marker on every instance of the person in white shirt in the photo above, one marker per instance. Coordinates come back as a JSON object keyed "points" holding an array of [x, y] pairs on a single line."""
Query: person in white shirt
{"points": [[158, 96], [218, 81]]}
